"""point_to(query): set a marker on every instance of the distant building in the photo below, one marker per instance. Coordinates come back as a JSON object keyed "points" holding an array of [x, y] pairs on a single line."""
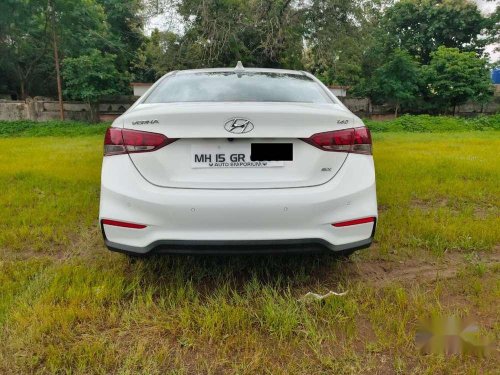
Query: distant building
{"points": [[140, 87], [340, 91]]}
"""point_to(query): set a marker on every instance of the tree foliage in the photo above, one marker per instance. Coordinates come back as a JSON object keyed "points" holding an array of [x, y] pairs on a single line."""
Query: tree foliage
{"points": [[337, 34], [398, 81], [26, 38], [24, 42], [379, 48], [258, 32], [454, 77], [92, 76], [124, 33], [421, 26]]}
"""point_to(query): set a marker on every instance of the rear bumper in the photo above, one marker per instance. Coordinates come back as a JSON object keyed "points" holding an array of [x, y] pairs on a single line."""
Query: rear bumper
{"points": [[307, 245], [237, 221]]}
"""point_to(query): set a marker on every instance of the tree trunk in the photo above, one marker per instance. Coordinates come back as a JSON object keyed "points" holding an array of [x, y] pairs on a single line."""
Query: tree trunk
{"points": [[94, 112], [58, 72], [396, 111], [23, 89]]}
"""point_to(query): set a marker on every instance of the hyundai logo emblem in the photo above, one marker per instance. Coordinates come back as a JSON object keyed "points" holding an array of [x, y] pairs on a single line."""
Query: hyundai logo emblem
{"points": [[238, 125]]}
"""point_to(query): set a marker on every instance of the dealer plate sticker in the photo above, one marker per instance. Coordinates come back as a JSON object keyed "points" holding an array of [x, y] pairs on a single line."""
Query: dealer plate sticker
{"points": [[227, 156]]}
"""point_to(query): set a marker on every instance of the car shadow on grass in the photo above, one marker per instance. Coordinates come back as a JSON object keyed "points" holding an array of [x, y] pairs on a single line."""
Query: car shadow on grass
{"points": [[207, 274]]}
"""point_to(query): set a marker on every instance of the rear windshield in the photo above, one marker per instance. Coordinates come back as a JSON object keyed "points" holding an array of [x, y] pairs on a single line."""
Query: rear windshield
{"points": [[238, 87]]}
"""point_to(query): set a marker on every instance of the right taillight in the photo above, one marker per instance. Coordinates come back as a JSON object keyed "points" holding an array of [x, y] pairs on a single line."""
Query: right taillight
{"points": [[125, 141], [354, 140]]}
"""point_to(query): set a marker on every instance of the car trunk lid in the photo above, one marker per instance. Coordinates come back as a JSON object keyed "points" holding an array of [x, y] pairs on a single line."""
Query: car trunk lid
{"points": [[217, 142]]}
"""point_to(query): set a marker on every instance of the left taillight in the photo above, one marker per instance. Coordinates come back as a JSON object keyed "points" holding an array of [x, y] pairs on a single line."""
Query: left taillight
{"points": [[125, 141]]}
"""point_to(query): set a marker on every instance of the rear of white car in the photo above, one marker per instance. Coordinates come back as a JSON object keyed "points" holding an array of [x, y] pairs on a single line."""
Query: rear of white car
{"points": [[235, 161]]}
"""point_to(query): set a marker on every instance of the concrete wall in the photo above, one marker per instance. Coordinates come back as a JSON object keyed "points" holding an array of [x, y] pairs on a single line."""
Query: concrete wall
{"points": [[363, 107], [338, 91], [44, 110], [359, 106], [13, 111]]}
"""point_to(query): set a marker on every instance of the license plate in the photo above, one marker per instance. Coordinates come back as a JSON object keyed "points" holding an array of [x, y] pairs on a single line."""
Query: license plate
{"points": [[227, 156]]}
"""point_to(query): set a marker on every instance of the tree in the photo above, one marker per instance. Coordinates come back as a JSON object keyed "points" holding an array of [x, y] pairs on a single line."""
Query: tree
{"points": [[90, 77], [258, 32], [454, 77], [163, 52], [26, 48], [264, 33], [24, 40], [421, 26], [124, 34], [337, 33], [268, 33], [397, 81]]}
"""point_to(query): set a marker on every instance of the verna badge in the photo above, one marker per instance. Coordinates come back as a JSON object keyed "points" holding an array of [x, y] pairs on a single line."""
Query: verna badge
{"points": [[238, 125], [145, 122]]}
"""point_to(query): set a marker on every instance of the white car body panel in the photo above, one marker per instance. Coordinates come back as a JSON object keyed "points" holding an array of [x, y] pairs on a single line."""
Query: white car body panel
{"points": [[171, 166], [179, 203]]}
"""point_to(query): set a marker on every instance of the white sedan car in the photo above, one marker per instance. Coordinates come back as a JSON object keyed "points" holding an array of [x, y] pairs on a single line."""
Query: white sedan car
{"points": [[238, 160]]}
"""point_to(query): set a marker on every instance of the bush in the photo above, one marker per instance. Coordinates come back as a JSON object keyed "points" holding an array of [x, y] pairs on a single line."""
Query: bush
{"points": [[50, 128], [431, 124]]}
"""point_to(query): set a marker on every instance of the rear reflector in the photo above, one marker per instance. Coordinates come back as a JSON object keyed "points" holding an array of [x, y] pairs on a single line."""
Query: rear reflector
{"points": [[354, 222], [123, 224], [354, 140], [125, 141]]}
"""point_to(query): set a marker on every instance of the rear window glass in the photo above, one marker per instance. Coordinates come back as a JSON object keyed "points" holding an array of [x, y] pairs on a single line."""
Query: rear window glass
{"points": [[238, 87]]}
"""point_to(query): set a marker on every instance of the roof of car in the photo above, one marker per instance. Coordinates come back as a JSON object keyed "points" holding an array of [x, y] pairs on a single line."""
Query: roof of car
{"points": [[244, 70]]}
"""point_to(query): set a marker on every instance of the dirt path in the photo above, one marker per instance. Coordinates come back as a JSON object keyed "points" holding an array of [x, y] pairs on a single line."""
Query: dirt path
{"points": [[381, 273]]}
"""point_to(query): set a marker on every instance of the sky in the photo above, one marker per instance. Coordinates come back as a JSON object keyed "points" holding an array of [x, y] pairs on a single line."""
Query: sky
{"points": [[172, 22], [488, 7]]}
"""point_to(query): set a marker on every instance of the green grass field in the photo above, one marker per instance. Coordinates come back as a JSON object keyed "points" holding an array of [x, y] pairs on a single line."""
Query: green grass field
{"points": [[67, 305]]}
